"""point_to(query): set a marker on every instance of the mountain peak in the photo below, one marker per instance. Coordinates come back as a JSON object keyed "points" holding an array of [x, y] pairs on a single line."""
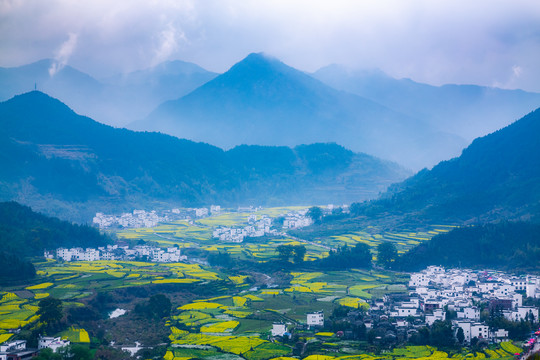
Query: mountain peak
{"points": [[34, 95], [256, 62]]}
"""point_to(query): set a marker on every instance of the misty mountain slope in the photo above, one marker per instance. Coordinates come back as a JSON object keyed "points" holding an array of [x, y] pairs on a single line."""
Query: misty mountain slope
{"points": [[496, 177], [71, 166], [262, 101], [25, 232], [66, 82], [468, 111], [115, 101]]}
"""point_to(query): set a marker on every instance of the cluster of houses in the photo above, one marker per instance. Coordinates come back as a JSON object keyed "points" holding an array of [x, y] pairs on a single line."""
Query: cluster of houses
{"points": [[142, 218], [297, 219], [431, 293], [17, 350], [436, 289], [255, 228], [258, 227], [119, 252]]}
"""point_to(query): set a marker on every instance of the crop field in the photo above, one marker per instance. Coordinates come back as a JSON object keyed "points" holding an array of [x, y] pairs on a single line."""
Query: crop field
{"points": [[423, 353], [235, 322], [77, 280], [373, 237], [199, 234], [76, 335]]}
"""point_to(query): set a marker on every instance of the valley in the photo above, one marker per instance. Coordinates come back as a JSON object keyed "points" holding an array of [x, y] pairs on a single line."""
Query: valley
{"points": [[269, 180], [225, 299]]}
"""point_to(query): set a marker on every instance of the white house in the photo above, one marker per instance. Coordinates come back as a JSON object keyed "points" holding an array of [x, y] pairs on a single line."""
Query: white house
{"points": [[315, 319], [499, 335], [53, 343], [278, 329], [13, 346], [479, 330], [471, 313], [438, 314], [520, 313]]}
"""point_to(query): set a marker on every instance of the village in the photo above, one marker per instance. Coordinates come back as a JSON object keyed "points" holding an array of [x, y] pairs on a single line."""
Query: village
{"points": [[118, 252], [461, 296], [146, 219], [461, 299], [258, 227]]}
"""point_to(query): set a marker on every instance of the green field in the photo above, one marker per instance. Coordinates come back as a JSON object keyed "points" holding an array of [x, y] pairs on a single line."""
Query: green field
{"points": [[235, 321]]}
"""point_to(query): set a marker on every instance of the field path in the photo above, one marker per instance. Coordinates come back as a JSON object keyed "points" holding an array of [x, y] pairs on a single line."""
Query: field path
{"points": [[308, 242], [173, 239]]}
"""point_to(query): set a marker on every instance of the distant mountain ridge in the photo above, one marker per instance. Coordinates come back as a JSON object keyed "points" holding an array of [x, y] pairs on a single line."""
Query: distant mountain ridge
{"points": [[468, 111], [71, 166], [260, 100], [496, 178], [115, 101]]}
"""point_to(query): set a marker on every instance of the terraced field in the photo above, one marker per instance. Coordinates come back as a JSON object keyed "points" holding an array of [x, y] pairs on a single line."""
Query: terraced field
{"points": [[233, 323], [373, 237], [199, 234]]}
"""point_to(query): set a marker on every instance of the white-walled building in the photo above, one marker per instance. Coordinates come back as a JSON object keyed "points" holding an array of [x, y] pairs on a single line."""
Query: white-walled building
{"points": [[315, 319], [53, 343], [278, 329], [471, 313]]}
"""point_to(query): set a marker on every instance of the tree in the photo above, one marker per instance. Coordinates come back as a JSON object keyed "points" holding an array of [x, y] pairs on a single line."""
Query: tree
{"points": [[386, 254], [460, 336], [315, 213], [345, 257], [362, 255], [75, 352], [50, 310], [299, 253], [285, 252], [47, 354], [109, 353], [422, 337], [159, 306], [220, 259], [441, 334]]}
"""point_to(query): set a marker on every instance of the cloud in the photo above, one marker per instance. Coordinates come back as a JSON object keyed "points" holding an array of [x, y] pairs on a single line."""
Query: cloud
{"points": [[63, 54], [446, 41], [169, 41], [516, 71]]}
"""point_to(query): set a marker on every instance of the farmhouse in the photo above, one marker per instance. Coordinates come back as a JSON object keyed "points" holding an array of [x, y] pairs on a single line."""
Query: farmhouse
{"points": [[315, 319], [53, 343]]}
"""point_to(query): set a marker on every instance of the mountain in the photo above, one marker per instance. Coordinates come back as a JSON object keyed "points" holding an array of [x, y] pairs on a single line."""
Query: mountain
{"points": [[71, 166], [505, 246], [468, 111], [134, 95], [116, 100], [496, 178], [260, 100], [166, 81], [25, 232]]}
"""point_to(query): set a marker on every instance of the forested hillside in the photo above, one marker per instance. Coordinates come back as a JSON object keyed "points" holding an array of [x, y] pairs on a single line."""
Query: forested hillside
{"points": [[71, 166], [496, 177], [28, 233], [25, 233], [505, 246]]}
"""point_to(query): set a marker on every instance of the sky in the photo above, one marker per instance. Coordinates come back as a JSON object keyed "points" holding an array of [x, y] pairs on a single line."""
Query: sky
{"points": [[485, 42]]}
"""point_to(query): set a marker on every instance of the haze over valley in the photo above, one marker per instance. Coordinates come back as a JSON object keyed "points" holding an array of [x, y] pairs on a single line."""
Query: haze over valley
{"points": [[269, 180]]}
